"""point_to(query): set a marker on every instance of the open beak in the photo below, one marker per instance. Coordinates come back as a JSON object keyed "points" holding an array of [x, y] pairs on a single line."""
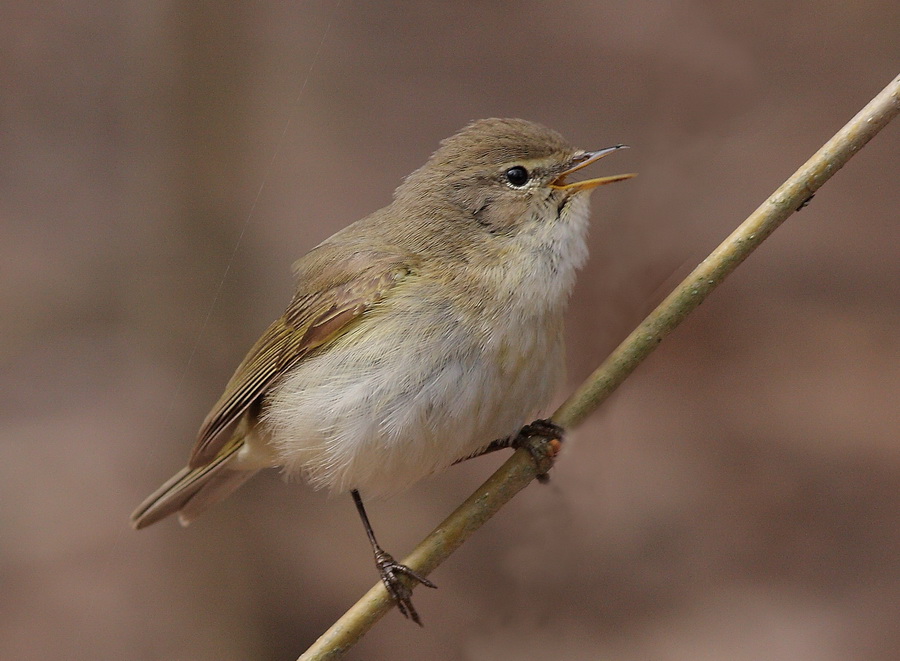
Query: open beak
{"points": [[582, 161]]}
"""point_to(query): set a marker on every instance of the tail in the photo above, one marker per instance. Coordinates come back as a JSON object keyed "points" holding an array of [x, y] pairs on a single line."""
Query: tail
{"points": [[190, 491]]}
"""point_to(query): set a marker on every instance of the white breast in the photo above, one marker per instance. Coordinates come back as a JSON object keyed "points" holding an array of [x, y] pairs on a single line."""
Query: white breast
{"points": [[417, 385]]}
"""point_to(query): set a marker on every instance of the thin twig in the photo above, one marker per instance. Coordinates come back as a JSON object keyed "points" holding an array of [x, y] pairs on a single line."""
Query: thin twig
{"points": [[520, 469]]}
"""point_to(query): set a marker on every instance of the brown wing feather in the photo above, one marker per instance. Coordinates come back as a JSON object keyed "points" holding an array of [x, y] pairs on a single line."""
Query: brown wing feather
{"points": [[356, 282]]}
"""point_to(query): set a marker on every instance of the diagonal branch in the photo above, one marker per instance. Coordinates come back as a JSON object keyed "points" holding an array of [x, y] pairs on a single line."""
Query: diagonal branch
{"points": [[520, 469]]}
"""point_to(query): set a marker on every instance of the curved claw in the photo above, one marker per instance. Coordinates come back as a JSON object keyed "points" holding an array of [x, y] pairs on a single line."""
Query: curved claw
{"points": [[391, 572], [543, 440]]}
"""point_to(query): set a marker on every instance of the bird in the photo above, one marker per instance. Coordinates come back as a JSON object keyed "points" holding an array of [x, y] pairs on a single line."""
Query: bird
{"points": [[421, 335]]}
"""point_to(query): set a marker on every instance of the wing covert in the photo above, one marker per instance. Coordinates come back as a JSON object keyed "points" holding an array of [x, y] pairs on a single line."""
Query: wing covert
{"points": [[316, 315]]}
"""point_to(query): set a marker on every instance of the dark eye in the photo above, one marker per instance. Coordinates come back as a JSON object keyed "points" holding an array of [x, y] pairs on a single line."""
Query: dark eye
{"points": [[517, 176]]}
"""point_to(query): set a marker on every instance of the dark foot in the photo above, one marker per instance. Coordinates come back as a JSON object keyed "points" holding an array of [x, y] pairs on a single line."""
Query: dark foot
{"points": [[543, 440], [391, 573]]}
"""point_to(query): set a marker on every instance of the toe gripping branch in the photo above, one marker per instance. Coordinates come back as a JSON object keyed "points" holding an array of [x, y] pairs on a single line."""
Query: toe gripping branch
{"points": [[543, 441], [392, 574]]}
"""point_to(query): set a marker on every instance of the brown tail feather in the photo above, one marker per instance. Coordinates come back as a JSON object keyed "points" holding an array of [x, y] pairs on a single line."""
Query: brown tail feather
{"points": [[190, 491]]}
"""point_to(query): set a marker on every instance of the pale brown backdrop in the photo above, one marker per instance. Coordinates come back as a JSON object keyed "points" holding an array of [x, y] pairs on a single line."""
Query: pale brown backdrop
{"points": [[739, 497]]}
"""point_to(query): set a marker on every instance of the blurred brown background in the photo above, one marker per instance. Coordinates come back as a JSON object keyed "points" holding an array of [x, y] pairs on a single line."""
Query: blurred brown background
{"points": [[162, 165]]}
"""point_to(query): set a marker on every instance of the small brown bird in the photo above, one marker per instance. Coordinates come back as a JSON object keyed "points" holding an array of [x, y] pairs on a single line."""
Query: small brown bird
{"points": [[421, 335]]}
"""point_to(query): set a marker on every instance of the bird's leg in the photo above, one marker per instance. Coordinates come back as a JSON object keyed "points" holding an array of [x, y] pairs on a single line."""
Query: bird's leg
{"points": [[542, 439], [390, 570]]}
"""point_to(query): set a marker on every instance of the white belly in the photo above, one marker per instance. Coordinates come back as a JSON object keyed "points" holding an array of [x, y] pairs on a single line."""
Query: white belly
{"points": [[378, 414]]}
